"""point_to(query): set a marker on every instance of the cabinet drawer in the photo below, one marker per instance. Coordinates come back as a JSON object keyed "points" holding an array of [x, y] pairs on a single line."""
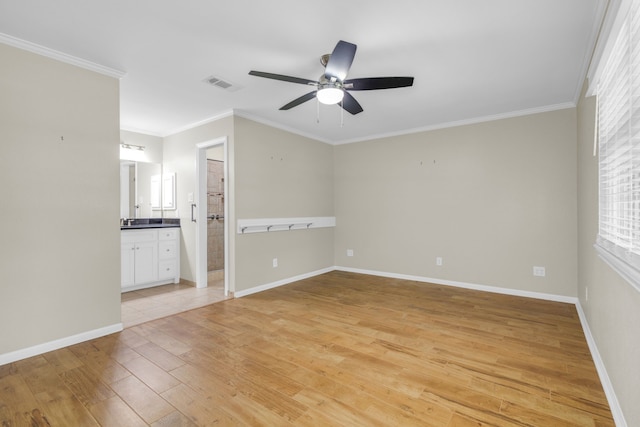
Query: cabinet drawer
{"points": [[167, 249], [167, 269], [129, 236], [168, 233]]}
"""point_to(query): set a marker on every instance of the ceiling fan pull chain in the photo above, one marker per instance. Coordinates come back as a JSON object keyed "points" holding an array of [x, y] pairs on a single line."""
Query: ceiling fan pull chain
{"points": [[342, 113], [317, 111]]}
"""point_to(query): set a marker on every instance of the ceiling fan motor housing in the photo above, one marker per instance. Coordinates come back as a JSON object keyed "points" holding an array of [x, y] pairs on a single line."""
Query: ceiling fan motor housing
{"points": [[324, 82]]}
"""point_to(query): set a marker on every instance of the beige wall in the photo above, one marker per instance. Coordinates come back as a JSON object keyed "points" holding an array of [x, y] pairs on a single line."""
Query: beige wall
{"points": [[613, 305], [180, 157], [59, 256], [272, 173], [279, 175], [492, 199]]}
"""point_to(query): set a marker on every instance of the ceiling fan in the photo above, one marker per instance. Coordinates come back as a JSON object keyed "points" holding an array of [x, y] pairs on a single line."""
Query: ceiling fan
{"points": [[331, 87]]}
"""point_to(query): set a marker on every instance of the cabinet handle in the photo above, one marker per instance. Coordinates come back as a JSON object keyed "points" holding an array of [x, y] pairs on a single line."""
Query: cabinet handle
{"points": [[193, 219]]}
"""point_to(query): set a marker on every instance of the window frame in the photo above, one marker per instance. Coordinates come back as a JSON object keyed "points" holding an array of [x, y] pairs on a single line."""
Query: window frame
{"points": [[618, 203]]}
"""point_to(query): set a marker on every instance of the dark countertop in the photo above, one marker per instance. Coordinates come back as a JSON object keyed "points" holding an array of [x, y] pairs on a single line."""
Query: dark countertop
{"points": [[141, 223], [139, 226]]}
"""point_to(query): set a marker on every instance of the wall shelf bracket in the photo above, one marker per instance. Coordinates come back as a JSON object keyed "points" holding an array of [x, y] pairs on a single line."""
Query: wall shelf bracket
{"points": [[265, 225]]}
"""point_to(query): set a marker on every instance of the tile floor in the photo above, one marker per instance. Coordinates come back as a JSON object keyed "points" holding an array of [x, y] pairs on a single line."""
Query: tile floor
{"points": [[153, 303]]}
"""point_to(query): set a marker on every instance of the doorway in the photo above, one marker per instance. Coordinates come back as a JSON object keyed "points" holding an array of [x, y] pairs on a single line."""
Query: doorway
{"points": [[215, 217], [212, 207]]}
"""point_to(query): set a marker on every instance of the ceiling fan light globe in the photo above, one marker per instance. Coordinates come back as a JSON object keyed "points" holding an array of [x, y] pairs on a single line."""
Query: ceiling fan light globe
{"points": [[330, 95]]}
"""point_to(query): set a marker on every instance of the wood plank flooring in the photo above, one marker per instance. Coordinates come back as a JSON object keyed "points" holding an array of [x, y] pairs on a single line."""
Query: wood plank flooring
{"points": [[339, 349]]}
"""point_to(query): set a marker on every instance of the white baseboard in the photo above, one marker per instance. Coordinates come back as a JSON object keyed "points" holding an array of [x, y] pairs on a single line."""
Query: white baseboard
{"points": [[494, 289], [614, 405], [57, 344], [267, 286], [472, 286]]}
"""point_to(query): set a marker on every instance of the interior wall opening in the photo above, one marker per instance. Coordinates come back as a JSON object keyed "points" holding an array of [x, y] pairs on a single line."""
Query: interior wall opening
{"points": [[215, 217]]}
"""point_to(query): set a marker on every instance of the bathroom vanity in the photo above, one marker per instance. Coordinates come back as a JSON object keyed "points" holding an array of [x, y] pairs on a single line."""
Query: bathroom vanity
{"points": [[150, 253]]}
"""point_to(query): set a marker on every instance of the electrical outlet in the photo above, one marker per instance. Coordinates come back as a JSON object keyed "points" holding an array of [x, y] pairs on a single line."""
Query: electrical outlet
{"points": [[349, 252], [539, 271], [275, 262], [438, 260]]}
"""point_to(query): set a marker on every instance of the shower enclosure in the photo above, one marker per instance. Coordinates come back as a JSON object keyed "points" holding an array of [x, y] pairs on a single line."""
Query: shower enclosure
{"points": [[215, 220]]}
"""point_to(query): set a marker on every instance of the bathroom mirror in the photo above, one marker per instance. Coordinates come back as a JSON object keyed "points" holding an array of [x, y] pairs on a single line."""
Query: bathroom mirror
{"points": [[163, 192], [136, 191]]}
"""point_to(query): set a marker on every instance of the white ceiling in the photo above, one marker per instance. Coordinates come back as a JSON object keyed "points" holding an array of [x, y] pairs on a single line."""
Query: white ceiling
{"points": [[472, 60]]}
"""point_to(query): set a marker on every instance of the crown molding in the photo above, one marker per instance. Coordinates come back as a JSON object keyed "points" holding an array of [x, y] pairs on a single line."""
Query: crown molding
{"points": [[60, 56], [199, 123], [142, 131], [609, 27], [465, 122], [593, 51], [258, 119]]}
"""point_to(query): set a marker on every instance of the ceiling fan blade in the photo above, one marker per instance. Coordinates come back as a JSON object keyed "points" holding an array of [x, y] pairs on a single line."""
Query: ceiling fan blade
{"points": [[340, 60], [373, 83], [298, 101], [283, 78], [350, 104]]}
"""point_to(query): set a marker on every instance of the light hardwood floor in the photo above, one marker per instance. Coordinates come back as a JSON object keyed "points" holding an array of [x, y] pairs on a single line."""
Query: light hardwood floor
{"points": [[337, 349]]}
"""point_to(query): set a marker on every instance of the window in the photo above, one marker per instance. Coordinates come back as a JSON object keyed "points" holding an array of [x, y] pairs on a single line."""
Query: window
{"points": [[619, 147]]}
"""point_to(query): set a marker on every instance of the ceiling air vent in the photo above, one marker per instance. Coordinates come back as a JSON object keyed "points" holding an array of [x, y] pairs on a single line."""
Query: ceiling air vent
{"points": [[221, 83]]}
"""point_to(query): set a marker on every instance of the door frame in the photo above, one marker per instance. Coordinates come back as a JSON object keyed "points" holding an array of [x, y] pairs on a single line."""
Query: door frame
{"points": [[201, 211]]}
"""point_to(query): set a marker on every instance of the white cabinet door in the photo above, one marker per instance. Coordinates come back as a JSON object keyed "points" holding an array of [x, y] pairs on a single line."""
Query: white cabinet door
{"points": [[149, 257], [146, 262], [127, 262]]}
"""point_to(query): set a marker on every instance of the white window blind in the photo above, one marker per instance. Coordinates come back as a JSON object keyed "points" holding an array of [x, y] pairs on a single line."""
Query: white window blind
{"points": [[619, 147]]}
